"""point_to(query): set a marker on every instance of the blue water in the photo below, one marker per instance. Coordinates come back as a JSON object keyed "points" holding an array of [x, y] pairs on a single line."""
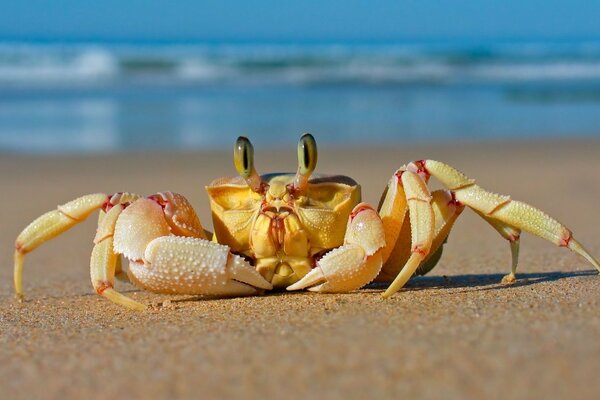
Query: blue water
{"points": [[101, 97]]}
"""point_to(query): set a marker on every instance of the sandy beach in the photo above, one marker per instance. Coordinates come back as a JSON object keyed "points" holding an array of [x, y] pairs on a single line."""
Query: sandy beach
{"points": [[454, 334]]}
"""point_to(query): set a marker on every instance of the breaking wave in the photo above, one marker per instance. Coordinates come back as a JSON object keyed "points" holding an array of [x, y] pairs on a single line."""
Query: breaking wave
{"points": [[246, 64]]}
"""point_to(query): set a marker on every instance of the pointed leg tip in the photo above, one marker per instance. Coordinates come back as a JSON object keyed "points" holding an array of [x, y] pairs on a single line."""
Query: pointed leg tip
{"points": [[138, 308], [123, 300], [508, 279], [19, 297]]}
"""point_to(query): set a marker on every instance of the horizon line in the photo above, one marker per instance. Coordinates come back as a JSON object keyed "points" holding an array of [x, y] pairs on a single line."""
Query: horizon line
{"points": [[294, 40]]}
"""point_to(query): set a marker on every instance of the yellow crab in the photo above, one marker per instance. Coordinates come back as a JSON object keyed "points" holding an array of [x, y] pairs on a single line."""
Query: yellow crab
{"points": [[289, 231]]}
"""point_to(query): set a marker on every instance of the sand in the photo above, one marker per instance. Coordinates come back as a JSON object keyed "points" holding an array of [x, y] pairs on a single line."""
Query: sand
{"points": [[456, 333]]}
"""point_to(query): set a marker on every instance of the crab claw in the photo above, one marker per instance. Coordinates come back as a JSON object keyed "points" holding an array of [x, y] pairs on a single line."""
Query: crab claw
{"points": [[175, 264], [354, 264]]}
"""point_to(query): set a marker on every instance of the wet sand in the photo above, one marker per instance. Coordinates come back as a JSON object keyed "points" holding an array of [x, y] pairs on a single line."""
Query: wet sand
{"points": [[454, 334]]}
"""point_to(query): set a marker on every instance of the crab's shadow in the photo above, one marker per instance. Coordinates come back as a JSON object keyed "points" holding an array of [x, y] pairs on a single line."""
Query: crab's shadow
{"points": [[484, 282], [469, 282]]}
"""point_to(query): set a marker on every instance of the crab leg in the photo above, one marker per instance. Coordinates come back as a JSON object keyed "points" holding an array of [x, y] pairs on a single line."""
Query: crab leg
{"points": [[445, 211], [392, 210], [355, 263], [507, 212], [513, 235], [119, 273], [422, 227], [103, 262], [50, 225]]}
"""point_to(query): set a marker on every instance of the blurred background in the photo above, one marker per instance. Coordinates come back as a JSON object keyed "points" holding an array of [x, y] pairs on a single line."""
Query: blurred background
{"points": [[89, 77]]}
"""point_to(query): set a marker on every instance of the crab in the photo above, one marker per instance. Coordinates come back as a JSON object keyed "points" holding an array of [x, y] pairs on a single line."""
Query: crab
{"points": [[285, 231]]}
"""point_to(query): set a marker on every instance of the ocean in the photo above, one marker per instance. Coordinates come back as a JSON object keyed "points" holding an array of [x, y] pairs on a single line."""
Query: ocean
{"points": [[90, 97]]}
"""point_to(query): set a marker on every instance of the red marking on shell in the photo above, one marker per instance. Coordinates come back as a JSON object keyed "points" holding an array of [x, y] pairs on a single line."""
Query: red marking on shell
{"points": [[277, 231]]}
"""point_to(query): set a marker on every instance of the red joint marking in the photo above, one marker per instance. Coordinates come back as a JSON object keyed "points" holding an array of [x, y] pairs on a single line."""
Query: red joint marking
{"points": [[564, 242], [358, 210], [103, 286], [453, 201], [20, 248], [419, 250], [398, 174], [421, 168], [158, 200], [107, 204], [514, 238]]}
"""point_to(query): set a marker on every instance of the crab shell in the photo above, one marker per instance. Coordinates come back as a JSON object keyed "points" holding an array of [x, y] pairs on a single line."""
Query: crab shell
{"points": [[281, 232]]}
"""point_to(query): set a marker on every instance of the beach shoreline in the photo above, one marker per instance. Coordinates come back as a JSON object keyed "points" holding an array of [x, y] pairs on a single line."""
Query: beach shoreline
{"points": [[456, 333]]}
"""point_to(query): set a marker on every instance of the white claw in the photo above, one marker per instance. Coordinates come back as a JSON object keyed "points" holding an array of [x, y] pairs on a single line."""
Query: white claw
{"points": [[174, 264], [354, 264]]}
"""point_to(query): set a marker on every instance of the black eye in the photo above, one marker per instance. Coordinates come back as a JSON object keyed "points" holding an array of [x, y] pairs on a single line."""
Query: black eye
{"points": [[243, 156], [307, 154]]}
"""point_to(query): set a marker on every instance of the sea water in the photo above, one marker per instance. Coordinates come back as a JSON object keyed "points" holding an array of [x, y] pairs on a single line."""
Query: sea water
{"points": [[126, 96]]}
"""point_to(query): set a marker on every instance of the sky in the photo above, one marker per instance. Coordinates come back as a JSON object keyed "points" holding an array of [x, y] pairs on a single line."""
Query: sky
{"points": [[298, 20]]}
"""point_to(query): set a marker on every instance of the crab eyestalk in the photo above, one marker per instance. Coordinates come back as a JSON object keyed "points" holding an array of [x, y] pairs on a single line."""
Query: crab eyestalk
{"points": [[243, 158], [307, 161]]}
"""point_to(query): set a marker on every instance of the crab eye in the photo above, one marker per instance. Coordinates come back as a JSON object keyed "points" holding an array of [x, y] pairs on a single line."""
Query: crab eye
{"points": [[307, 154], [243, 157]]}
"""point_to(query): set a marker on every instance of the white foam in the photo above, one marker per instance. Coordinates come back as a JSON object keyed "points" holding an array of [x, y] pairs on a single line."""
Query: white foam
{"points": [[42, 66], [201, 70], [546, 71]]}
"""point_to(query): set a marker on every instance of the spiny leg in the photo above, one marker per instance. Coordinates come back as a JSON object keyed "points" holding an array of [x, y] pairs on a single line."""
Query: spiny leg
{"points": [[57, 221], [50, 225], [445, 211], [392, 211], [422, 228], [513, 213], [103, 262], [120, 274]]}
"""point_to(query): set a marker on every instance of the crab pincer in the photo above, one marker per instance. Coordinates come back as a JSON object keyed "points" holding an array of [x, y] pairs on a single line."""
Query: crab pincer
{"points": [[354, 264]]}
